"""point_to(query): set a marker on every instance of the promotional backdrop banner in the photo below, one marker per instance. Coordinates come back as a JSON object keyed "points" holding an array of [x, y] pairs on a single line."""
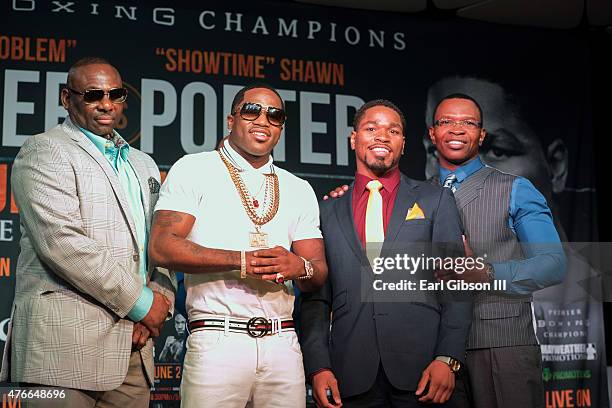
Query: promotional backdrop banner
{"points": [[183, 62]]}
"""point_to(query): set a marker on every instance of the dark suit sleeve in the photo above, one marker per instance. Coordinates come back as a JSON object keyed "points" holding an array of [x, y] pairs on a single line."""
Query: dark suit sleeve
{"points": [[314, 317], [456, 316], [315, 308]]}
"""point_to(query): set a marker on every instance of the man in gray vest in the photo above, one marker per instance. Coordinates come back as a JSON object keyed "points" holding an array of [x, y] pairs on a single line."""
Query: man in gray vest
{"points": [[507, 220], [518, 141]]}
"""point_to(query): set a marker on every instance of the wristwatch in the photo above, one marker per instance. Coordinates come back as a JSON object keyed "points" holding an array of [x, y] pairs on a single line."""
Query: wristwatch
{"points": [[455, 365], [308, 269]]}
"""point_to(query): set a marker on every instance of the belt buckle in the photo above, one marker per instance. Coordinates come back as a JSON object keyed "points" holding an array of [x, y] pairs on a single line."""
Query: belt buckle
{"points": [[252, 329]]}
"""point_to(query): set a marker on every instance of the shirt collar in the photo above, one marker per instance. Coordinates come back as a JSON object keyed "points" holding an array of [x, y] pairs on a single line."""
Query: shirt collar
{"points": [[462, 172], [243, 163], [108, 146], [390, 180]]}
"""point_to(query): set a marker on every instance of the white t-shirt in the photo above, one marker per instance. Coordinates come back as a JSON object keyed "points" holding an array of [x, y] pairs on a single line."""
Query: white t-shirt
{"points": [[199, 184]]}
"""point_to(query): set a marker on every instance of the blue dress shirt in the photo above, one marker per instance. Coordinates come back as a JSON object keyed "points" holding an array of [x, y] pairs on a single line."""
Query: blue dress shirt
{"points": [[531, 220]]}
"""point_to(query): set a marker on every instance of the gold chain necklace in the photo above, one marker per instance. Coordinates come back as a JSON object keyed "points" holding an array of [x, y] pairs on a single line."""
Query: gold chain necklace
{"points": [[257, 239]]}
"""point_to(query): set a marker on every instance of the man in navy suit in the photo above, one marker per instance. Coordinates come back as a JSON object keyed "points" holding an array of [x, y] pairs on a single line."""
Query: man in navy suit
{"points": [[404, 349]]}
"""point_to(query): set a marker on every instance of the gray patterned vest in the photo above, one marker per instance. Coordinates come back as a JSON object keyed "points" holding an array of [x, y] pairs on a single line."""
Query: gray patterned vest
{"points": [[499, 319]]}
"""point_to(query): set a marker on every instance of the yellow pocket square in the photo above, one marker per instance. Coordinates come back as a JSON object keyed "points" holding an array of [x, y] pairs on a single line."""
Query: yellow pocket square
{"points": [[415, 213]]}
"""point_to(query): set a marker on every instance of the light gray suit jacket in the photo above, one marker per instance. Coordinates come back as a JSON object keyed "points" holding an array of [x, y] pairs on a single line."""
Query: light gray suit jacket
{"points": [[77, 274]]}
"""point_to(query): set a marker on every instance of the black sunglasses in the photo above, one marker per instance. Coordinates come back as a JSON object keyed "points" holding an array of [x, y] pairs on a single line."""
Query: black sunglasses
{"points": [[251, 111], [116, 95]]}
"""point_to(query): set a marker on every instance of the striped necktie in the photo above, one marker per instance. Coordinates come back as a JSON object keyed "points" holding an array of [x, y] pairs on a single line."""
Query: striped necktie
{"points": [[449, 182]]}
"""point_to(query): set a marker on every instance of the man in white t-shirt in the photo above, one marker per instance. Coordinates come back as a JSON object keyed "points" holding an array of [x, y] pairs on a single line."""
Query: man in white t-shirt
{"points": [[242, 229]]}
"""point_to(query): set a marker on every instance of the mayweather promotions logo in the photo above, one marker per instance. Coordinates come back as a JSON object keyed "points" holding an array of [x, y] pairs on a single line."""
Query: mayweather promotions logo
{"points": [[568, 352]]}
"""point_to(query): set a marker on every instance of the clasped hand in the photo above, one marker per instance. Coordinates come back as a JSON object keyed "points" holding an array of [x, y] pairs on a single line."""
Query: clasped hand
{"points": [[476, 274], [151, 325], [266, 263]]}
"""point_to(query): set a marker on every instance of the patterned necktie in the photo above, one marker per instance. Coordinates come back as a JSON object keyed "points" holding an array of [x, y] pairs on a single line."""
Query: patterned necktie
{"points": [[449, 180], [374, 229]]}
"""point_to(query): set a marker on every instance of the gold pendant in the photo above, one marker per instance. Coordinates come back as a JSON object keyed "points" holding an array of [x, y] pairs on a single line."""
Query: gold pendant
{"points": [[258, 239]]}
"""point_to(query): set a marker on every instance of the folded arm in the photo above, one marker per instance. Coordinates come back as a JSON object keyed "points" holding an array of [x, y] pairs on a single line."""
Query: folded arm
{"points": [[545, 262], [170, 248]]}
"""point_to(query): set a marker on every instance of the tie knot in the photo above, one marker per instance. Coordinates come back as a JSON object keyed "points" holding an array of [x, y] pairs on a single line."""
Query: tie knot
{"points": [[449, 180], [374, 185]]}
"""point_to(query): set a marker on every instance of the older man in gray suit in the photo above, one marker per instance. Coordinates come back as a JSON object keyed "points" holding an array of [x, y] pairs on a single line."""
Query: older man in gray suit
{"points": [[86, 301]]}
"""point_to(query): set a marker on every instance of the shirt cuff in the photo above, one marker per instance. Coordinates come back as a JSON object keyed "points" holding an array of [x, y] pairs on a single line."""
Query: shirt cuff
{"points": [[142, 306], [503, 272]]}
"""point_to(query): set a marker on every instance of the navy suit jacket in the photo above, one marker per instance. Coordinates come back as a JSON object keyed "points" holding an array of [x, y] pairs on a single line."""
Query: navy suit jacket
{"points": [[344, 326]]}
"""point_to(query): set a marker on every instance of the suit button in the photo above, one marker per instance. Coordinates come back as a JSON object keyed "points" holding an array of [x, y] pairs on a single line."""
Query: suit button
{"points": [[135, 257]]}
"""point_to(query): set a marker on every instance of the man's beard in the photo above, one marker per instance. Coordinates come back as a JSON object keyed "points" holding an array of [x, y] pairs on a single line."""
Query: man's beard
{"points": [[379, 166]]}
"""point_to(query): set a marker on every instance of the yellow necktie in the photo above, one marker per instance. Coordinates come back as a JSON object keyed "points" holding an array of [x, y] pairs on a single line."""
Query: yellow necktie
{"points": [[374, 229]]}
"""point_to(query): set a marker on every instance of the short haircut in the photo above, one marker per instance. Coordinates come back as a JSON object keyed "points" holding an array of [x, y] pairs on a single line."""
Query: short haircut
{"points": [[457, 96], [516, 98], [377, 102], [84, 62], [255, 85]]}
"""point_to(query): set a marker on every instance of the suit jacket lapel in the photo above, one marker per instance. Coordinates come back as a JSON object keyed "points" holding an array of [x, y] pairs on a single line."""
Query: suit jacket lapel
{"points": [[344, 214], [405, 199], [84, 143]]}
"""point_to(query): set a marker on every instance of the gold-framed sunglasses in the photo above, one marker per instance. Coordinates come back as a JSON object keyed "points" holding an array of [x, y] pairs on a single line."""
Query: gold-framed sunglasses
{"points": [[251, 111]]}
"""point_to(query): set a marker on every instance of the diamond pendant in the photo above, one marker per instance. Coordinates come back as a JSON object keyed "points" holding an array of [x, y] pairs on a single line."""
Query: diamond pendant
{"points": [[258, 239]]}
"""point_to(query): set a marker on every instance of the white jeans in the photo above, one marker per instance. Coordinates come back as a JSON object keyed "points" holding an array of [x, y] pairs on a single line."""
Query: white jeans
{"points": [[236, 370]]}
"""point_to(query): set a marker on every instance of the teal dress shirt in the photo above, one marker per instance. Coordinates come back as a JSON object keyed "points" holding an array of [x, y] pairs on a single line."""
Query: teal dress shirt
{"points": [[117, 152]]}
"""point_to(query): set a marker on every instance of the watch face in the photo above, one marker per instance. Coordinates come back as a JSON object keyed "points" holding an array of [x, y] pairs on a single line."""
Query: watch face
{"points": [[309, 268]]}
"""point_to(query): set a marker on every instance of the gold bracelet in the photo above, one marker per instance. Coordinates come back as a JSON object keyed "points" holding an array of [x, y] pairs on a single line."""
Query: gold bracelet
{"points": [[243, 273]]}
